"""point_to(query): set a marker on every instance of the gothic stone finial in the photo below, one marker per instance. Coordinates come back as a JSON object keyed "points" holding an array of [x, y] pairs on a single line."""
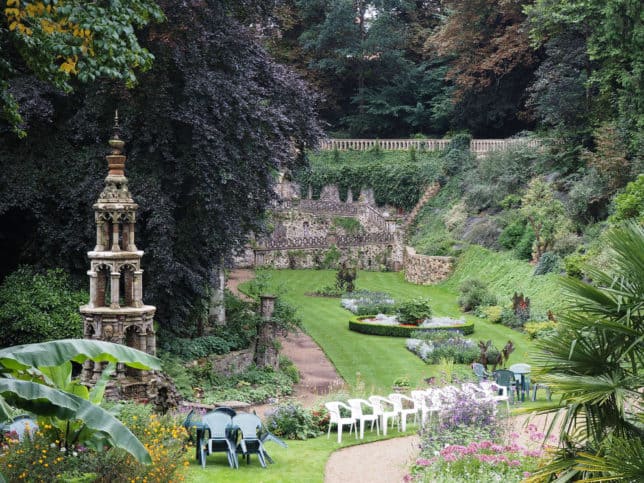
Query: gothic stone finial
{"points": [[116, 158]]}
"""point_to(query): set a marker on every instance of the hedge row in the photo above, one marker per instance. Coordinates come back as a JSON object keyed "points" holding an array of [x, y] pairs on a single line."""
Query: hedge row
{"points": [[357, 325]]}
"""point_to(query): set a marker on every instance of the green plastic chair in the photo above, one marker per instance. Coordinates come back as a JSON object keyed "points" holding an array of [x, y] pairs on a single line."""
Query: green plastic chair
{"points": [[505, 378]]}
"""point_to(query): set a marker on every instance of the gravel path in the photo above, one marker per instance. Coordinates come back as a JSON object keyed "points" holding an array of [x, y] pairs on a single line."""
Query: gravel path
{"points": [[385, 461]]}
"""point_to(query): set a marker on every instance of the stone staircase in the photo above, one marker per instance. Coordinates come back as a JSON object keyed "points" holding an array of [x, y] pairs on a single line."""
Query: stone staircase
{"points": [[429, 193]]}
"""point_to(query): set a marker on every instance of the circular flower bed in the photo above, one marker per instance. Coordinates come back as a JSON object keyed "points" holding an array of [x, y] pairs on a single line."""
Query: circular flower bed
{"points": [[388, 325]]}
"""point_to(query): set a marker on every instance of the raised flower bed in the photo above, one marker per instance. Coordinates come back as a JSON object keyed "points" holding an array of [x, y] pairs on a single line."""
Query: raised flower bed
{"points": [[389, 326]]}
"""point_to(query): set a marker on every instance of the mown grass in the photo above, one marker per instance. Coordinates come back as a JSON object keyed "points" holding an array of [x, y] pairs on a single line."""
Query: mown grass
{"points": [[302, 461], [370, 362], [505, 275]]}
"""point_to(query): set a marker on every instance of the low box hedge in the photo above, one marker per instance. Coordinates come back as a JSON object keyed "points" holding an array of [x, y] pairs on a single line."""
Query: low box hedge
{"points": [[357, 324]]}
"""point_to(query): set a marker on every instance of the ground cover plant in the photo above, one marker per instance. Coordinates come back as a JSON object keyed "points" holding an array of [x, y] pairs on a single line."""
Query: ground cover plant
{"points": [[433, 346], [365, 302]]}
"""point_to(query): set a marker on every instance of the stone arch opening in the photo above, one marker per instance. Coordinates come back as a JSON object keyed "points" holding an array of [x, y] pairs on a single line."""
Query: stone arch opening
{"points": [[103, 286], [126, 285]]}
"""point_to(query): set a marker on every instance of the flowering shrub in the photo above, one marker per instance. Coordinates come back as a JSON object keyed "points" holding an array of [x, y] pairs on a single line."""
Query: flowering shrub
{"points": [[539, 330], [42, 458], [433, 346], [479, 460], [292, 421], [365, 302]]}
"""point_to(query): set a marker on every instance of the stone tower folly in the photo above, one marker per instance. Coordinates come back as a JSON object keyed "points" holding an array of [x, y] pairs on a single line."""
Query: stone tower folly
{"points": [[116, 312]]}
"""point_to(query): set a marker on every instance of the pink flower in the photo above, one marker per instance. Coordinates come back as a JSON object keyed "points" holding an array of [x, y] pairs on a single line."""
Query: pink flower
{"points": [[526, 474], [514, 463], [423, 462]]}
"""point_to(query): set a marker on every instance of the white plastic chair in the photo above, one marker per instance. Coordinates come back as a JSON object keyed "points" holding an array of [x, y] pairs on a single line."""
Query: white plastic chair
{"points": [[386, 410], [399, 401], [336, 418], [493, 391], [358, 415], [428, 403]]}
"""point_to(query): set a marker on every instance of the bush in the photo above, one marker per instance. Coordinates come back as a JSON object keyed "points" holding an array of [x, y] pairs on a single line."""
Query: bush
{"points": [[549, 262], [357, 325], [510, 319], [574, 263], [512, 234], [485, 233], [289, 369], [292, 421], [414, 311], [37, 307], [331, 290], [493, 313], [540, 330], [197, 348], [523, 249], [474, 292], [630, 203], [252, 386]]}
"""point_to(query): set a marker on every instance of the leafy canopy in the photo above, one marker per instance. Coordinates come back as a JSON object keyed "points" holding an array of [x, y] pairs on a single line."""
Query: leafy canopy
{"points": [[61, 41]]}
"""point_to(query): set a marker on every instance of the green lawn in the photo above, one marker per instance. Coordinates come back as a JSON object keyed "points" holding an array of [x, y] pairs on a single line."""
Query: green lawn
{"points": [[301, 462], [373, 360]]}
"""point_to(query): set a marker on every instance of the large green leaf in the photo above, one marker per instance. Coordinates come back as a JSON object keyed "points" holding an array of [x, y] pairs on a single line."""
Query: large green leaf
{"points": [[55, 353], [43, 400]]}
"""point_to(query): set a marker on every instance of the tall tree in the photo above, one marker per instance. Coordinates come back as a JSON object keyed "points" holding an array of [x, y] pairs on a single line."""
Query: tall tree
{"points": [[59, 42], [491, 62], [207, 128], [614, 35]]}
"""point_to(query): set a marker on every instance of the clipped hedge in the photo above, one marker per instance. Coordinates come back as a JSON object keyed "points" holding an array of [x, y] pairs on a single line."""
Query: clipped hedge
{"points": [[357, 325]]}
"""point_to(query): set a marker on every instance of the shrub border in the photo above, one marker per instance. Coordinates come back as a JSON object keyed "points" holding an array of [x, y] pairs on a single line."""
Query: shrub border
{"points": [[356, 324]]}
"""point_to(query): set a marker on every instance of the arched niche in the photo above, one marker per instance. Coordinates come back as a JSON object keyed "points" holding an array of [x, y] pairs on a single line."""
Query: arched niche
{"points": [[126, 284]]}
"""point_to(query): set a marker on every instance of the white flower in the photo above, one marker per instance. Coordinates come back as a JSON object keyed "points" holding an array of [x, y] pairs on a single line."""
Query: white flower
{"points": [[52, 445], [63, 449], [74, 453]]}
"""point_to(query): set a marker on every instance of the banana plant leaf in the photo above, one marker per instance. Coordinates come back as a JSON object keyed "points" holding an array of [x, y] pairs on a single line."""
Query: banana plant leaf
{"points": [[56, 352], [46, 401]]}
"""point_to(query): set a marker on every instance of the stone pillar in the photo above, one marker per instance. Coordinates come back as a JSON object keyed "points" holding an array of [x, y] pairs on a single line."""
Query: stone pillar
{"points": [[138, 288], [349, 196], [266, 354], [114, 289], [151, 344], [125, 237], [132, 246], [92, 289], [100, 288], [128, 284], [115, 237], [100, 239], [143, 341]]}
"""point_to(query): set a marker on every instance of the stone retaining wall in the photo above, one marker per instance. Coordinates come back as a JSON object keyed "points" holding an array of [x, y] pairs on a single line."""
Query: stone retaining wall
{"points": [[424, 270], [232, 363]]}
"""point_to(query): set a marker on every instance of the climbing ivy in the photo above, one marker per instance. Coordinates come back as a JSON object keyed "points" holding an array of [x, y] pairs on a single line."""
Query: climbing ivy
{"points": [[394, 178]]}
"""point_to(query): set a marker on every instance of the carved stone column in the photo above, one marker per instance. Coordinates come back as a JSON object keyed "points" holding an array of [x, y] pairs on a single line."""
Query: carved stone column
{"points": [[93, 276], [115, 237], [100, 240], [132, 246], [114, 290], [138, 288]]}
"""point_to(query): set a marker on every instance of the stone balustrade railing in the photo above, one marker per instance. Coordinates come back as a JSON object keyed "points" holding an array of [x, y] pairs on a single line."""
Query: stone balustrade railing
{"points": [[324, 242], [477, 146]]}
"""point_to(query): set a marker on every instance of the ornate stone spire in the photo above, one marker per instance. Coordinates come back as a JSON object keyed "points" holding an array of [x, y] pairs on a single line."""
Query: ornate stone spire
{"points": [[116, 190]]}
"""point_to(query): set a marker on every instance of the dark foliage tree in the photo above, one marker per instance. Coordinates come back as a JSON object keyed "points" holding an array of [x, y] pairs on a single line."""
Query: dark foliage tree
{"points": [[206, 130], [491, 63]]}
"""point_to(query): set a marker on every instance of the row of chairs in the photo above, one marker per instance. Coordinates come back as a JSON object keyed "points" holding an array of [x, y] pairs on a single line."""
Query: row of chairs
{"points": [[397, 408]]}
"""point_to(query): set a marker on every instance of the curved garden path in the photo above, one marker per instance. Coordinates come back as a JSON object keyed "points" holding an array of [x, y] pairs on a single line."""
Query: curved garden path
{"points": [[318, 376], [384, 461]]}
